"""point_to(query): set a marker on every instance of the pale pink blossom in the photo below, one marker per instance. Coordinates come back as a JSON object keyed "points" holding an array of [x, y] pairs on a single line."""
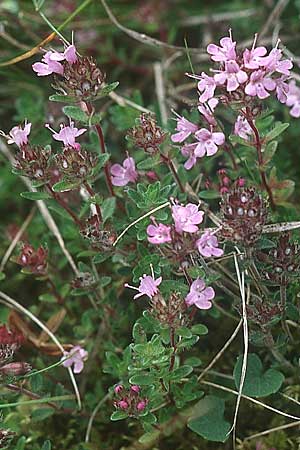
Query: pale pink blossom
{"points": [[50, 64], [208, 142], [259, 85], [159, 234], [67, 135], [18, 135], [224, 52], [200, 295], [207, 110], [76, 357], [121, 175], [232, 75], [242, 128], [282, 89], [293, 99], [184, 129], [70, 54], [253, 57], [207, 86], [208, 245], [148, 286], [273, 63], [188, 150], [187, 218]]}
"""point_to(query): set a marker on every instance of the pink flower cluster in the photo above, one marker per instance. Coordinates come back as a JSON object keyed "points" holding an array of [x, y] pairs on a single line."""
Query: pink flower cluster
{"points": [[186, 220], [52, 61], [130, 400]]}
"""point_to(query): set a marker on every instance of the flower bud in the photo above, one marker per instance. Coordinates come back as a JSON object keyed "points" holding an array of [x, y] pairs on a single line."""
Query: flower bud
{"points": [[118, 389], [123, 404], [135, 388], [15, 368], [141, 405]]}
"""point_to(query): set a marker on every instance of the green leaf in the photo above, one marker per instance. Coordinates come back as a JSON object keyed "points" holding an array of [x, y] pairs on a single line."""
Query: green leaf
{"points": [[149, 162], [35, 195], [258, 383], [238, 140], [210, 424], [142, 380], [41, 413], [100, 258], [180, 372], [149, 437], [277, 130], [49, 298], [108, 208], [102, 160], [21, 443], [63, 186], [118, 415], [46, 445], [209, 194], [2, 276], [199, 329], [76, 113], [184, 332], [103, 92], [63, 98]]}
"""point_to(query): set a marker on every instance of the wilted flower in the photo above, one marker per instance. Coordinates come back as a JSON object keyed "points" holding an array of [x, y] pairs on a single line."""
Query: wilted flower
{"points": [[159, 234], [200, 295], [6, 437], [186, 218], [147, 134], [76, 357], [76, 164], [148, 286], [124, 174], [208, 245], [34, 261]]}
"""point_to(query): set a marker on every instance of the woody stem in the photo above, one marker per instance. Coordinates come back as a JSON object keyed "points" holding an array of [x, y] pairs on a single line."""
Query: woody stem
{"points": [[258, 145], [62, 203], [172, 168]]}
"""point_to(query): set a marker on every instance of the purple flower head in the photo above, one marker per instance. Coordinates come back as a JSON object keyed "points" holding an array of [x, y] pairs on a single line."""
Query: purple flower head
{"points": [[293, 99], [76, 357], [67, 135], [185, 128], [259, 85], [186, 218], [207, 110], [253, 57], [159, 234], [242, 128], [18, 135], [208, 142], [273, 63], [232, 75], [207, 86], [208, 245], [148, 286], [141, 405], [200, 295], [50, 64], [188, 151], [122, 175], [225, 52]]}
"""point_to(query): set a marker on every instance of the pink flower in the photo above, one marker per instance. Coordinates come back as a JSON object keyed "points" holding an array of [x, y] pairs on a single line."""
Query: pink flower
{"points": [[232, 74], [282, 89], [135, 389], [159, 234], [185, 128], [123, 404], [122, 175], [70, 54], [242, 128], [207, 85], [208, 245], [50, 64], [188, 151], [259, 85], [207, 110], [200, 295], [208, 142], [148, 286], [67, 135], [76, 357], [253, 57], [293, 99], [118, 389], [186, 218], [272, 62], [223, 53], [19, 135], [141, 405]]}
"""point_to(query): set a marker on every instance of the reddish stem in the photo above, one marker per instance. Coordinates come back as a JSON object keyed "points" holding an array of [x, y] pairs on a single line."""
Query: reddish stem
{"points": [[62, 203], [258, 145], [171, 166], [103, 150]]}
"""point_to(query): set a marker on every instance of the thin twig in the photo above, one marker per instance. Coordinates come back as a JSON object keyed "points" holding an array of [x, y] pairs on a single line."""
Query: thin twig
{"points": [[93, 415]]}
